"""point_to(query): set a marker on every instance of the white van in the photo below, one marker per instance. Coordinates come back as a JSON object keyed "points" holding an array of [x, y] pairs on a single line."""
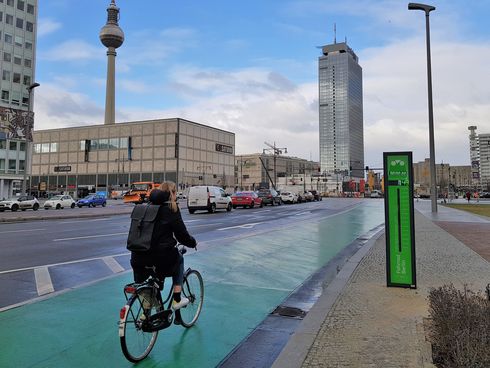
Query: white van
{"points": [[209, 198]]}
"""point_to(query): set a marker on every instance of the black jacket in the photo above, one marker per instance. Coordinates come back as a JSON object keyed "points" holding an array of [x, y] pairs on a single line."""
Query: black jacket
{"points": [[164, 255]]}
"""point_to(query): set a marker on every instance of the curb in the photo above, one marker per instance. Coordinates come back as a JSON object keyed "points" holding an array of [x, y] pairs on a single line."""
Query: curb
{"points": [[296, 350]]}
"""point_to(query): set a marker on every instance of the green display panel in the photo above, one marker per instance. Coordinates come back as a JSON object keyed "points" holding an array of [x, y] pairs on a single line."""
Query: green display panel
{"points": [[399, 222]]}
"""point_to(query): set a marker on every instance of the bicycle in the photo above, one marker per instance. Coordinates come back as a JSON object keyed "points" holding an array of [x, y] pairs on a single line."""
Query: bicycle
{"points": [[144, 313]]}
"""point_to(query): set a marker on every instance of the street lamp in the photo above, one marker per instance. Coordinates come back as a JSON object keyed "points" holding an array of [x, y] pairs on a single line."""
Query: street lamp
{"points": [[432, 161], [28, 136]]}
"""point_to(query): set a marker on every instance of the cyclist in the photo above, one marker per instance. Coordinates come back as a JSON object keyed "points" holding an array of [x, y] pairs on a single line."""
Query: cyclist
{"points": [[164, 259]]}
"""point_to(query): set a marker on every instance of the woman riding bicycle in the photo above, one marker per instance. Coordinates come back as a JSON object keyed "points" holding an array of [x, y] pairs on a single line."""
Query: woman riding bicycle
{"points": [[164, 259]]}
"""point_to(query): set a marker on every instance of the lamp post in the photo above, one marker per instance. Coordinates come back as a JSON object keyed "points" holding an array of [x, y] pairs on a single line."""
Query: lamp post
{"points": [[28, 136], [432, 161]]}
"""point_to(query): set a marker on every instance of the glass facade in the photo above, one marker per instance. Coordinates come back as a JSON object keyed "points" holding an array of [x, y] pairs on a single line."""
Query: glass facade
{"points": [[341, 112]]}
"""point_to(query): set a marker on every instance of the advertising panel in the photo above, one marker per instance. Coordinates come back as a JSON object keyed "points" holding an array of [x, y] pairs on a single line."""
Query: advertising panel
{"points": [[399, 219]]}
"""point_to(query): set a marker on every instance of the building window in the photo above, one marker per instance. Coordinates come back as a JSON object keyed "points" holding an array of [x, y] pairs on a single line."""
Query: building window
{"points": [[82, 145], [5, 95], [22, 147], [7, 57], [2, 163], [19, 41], [3, 144], [8, 38], [25, 101], [20, 5], [9, 19], [44, 147], [29, 27], [10, 2], [12, 166], [16, 78], [27, 63], [28, 46], [54, 147], [13, 146], [5, 77], [15, 98], [19, 23], [30, 8], [1, 16], [17, 60], [27, 80], [37, 148]]}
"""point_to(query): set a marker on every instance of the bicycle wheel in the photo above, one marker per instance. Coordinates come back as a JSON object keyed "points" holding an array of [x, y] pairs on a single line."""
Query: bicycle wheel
{"points": [[135, 343], [193, 289]]}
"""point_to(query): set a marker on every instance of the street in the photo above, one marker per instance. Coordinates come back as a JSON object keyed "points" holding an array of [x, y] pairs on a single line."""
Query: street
{"points": [[251, 260]]}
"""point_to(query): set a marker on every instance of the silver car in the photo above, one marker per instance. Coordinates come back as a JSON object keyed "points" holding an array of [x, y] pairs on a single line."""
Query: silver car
{"points": [[23, 203]]}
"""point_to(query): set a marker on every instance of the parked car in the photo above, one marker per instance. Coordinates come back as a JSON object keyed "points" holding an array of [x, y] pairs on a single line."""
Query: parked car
{"points": [[209, 198], [59, 201], [485, 195], [316, 195], [246, 199], [289, 197], [269, 196], [308, 196], [376, 194], [23, 203], [181, 195], [92, 200]]}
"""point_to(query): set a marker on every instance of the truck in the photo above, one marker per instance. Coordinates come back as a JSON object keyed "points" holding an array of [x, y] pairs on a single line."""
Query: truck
{"points": [[139, 192]]}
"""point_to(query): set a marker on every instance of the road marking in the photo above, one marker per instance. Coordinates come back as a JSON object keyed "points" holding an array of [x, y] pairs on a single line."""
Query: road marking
{"points": [[302, 213], [43, 281], [113, 264], [244, 226], [19, 231], [77, 221], [61, 263], [90, 236]]}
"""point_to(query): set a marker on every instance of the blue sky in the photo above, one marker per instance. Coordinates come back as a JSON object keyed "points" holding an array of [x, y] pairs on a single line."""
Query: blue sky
{"points": [[251, 68]]}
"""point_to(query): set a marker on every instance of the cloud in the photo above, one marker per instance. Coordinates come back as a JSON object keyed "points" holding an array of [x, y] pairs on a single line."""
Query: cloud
{"points": [[73, 50], [46, 26]]}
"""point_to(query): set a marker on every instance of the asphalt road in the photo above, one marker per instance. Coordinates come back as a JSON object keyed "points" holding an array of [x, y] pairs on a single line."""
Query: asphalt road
{"points": [[42, 257]]}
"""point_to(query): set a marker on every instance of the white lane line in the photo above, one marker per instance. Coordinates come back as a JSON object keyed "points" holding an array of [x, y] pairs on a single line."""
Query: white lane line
{"points": [[90, 236], [244, 226], [20, 231], [113, 264], [78, 221], [187, 221], [302, 213], [61, 263], [43, 281]]}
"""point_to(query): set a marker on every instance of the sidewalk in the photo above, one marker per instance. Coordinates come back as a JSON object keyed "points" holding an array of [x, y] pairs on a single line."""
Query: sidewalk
{"points": [[370, 325]]}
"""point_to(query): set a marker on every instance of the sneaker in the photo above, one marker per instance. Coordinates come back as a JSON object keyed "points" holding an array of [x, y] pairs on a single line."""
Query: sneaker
{"points": [[177, 305]]}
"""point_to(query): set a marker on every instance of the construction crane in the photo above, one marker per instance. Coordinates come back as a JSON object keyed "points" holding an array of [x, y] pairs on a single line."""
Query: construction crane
{"points": [[276, 151]]}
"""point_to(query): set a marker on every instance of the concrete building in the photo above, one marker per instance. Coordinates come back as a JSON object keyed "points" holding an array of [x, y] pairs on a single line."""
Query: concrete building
{"points": [[18, 24], [80, 160], [341, 111], [256, 171], [480, 159], [448, 178]]}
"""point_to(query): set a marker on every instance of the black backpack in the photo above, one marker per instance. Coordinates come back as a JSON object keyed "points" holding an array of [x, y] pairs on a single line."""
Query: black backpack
{"points": [[142, 229]]}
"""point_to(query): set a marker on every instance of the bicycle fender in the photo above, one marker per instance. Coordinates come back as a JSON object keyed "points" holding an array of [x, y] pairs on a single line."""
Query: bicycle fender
{"points": [[122, 317]]}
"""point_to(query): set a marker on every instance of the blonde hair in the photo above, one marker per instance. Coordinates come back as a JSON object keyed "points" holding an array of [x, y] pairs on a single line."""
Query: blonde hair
{"points": [[169, 186]]}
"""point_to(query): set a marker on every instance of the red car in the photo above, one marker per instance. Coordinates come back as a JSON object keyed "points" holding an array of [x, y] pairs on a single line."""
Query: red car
{"points": [[246, 199]]}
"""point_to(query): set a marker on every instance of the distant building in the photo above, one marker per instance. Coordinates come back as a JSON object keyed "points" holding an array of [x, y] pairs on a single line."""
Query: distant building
{"points": [[86, 159], [480, 158], [18, 24], [256, 170], [341, 111], [448, 178]]}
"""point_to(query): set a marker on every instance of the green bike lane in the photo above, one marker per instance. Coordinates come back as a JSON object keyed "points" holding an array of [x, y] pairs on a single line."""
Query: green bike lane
{"points": [[245, 279]]}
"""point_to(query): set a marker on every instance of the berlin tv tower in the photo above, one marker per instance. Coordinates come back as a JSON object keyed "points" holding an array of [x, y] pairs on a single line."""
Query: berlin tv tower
{"points": [[111, 36]]}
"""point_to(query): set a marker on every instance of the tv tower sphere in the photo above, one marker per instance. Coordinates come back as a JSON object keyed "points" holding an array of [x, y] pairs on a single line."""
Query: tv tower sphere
{"points": [[111, 35]]}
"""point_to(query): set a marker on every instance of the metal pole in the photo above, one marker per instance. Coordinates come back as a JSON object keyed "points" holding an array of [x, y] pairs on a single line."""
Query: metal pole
{"points": [[431, 121]]}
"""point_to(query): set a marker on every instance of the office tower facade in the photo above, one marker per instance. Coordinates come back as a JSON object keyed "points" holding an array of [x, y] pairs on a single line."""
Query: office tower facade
{"points": [[341, 112], [18, 23], [474, 155]]}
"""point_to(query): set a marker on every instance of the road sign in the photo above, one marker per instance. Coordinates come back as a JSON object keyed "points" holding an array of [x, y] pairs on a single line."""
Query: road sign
{"points": [[399, 219]]}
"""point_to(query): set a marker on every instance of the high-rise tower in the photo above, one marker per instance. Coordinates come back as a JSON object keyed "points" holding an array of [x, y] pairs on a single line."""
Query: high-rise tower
{"points": [[341, 113], [111, 36], [18, 29]]}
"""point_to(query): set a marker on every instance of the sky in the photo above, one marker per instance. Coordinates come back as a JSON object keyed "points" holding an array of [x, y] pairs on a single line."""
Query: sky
{"points": [[251, 67]]}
